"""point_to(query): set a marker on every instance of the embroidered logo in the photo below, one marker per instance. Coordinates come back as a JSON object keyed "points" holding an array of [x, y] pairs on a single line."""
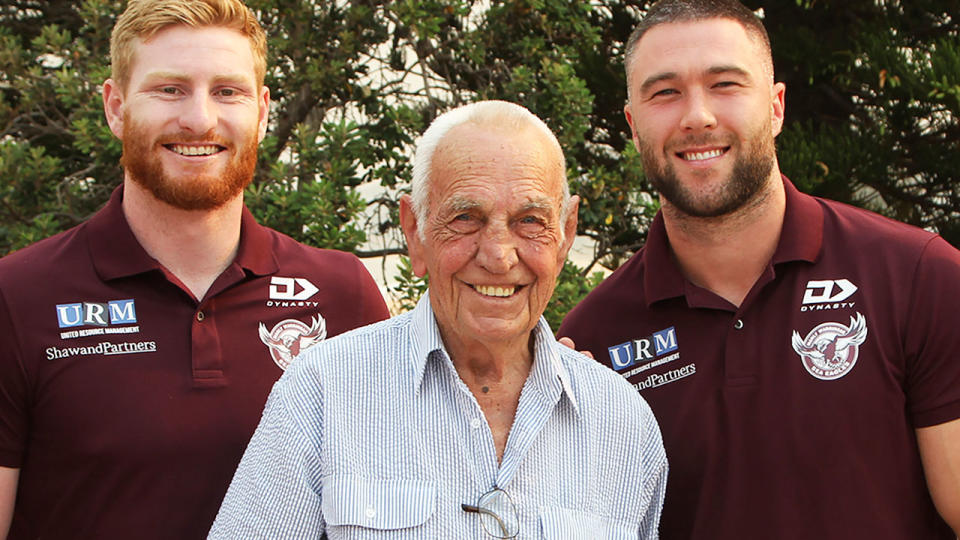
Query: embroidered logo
{"points": [[637, 356], [828, 294], [113, 317], [642, 350], [831, 349], [104, 348], [285, 288], [291, 292], [290, 337]]}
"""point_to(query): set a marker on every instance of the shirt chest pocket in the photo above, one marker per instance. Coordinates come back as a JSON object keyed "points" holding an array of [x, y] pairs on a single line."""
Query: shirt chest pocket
{"points": [[377, 503], [562, 523]]}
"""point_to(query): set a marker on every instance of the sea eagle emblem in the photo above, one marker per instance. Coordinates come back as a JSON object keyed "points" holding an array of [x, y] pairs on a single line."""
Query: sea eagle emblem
{"points": [[291, 337], [831, 349]]}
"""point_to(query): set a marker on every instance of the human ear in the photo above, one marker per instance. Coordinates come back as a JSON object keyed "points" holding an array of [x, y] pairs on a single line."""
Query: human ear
{"points": [[415, 249], [113, 106]]}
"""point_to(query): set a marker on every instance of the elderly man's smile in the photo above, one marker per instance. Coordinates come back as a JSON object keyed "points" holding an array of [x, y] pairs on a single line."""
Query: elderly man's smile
{"points": [[498, 291]]}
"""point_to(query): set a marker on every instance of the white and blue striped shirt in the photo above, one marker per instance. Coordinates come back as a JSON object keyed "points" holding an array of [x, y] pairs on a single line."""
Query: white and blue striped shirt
{"points": [[372, 434]]}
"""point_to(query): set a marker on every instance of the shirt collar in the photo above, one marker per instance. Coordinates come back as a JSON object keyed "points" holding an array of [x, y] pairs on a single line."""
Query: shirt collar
{"points": [[548, 373], [116, 253], [800, 240], [114, 249], [256, 251]]}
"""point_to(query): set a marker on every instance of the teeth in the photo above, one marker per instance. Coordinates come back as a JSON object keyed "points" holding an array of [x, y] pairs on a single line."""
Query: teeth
{"points": [[489, 290], [698, 156], [205, 150]]}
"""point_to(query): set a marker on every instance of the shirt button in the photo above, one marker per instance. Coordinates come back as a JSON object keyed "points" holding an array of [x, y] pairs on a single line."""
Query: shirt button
{"points": [[475, 423], [200, 316], [738, 325], [370, 512]]}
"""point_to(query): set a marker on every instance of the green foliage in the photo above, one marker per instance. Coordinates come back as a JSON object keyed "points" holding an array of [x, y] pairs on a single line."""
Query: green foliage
{"points": [[572, 286], [408, 288], [872, 105]]}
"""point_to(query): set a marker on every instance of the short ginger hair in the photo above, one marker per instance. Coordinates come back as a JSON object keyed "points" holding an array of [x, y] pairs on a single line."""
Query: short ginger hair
{"points": [[142, 19]]}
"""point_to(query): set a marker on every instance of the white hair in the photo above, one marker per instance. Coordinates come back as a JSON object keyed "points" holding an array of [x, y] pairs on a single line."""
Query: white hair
{"points": [[493, 114]]}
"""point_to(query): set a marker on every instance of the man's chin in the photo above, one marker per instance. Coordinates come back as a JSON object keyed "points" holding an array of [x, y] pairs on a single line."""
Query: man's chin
{"points": [[197, 194]]}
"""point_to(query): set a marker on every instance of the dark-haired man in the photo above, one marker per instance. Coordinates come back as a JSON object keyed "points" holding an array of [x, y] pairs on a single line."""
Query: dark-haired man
{"points": [[800, 354]]}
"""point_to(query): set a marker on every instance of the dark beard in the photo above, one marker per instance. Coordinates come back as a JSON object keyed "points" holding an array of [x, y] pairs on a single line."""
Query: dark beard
{"points": [[141, 160], [750, 172]]}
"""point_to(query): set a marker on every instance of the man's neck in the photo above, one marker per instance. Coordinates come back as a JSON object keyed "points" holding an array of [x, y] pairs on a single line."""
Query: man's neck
{"points": [[194, 245], [728, 254], [495, 374]]}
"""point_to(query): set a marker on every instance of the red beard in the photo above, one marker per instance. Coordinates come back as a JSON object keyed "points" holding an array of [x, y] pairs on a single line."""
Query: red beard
{"points": [[141, 160]]}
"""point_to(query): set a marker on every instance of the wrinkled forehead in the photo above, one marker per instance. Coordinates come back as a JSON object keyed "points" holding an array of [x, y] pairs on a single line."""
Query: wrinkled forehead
{"points": [[495, 154]]}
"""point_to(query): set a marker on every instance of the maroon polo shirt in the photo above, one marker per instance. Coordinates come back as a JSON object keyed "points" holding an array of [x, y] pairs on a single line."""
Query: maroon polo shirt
{"points": [[792, 416], [126, 403]]}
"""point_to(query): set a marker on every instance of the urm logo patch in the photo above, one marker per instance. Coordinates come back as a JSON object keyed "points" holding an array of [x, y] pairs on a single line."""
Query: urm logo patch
{"points": [[96, 313], [644, 349]]}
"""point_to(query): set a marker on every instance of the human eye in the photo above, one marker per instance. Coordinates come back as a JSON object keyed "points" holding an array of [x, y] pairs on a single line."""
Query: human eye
{"points": [[726, 84], [531, 225], [464, 223], [170, 90], [665, 92], [229, 92]]}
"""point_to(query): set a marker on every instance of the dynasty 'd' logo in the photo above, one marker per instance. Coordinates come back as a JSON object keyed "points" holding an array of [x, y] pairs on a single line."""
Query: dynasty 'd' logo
{"points": [[290, 337], [831, 349]]}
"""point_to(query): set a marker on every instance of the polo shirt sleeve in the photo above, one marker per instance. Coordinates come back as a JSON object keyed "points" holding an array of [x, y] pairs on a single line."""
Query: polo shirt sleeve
{"points": [[275, 492], [13, 391], [932, 338]]}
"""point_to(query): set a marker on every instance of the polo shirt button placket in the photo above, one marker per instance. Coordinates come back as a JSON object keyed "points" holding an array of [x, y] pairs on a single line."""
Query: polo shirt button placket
{"points": [[740, 369]]}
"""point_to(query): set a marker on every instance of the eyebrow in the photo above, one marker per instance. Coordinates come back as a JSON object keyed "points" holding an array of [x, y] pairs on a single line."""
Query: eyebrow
{"points": [[543, 204], [713, 70], [460, 204], [235, 79]]}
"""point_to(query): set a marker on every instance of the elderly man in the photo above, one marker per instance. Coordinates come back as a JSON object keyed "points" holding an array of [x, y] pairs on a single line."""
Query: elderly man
{"points": [[465, 416], [137, 349], [800, 354]]}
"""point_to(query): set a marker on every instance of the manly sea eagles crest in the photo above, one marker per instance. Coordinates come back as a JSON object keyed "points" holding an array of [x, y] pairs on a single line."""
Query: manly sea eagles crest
{"points": [[290, 337], [830, 350]]}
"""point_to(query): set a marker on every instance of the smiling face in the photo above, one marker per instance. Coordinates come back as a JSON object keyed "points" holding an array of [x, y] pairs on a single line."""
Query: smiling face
{"points": [[704, 112], [494, 237], [191, 116]]}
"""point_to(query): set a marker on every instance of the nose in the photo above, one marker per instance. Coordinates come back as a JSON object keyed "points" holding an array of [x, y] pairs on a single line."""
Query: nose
{"points": [[697, 113], [497, 249], [199, 114]]}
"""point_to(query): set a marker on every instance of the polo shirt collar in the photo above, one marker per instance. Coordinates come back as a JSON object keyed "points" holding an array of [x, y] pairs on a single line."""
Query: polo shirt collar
{"points": [[116, 253], [256, 252], [800, 240], [662, 278], [548, 374], [114, 249]]}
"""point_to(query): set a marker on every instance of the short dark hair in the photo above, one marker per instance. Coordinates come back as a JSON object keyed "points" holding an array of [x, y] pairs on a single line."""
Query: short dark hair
{"points": [[679, 11]]}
